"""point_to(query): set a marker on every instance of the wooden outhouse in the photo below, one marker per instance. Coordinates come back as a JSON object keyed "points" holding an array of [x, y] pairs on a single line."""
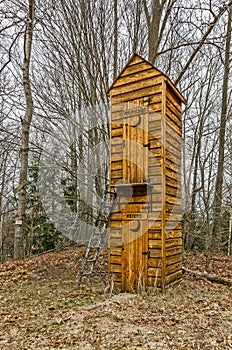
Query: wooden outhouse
{"points": [[145, 233]]}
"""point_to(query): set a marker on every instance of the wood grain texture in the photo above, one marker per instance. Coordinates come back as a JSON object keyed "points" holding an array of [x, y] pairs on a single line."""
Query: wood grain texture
{"points": [[146, 146], [136, 76], [138, 93]]}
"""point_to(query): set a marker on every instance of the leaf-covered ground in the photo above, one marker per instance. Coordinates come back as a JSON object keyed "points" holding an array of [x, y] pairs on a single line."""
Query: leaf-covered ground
{"points": [[40, 308]]}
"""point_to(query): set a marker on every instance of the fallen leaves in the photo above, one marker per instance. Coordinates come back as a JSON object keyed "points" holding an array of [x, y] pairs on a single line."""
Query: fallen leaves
{"points": [[42, 309]]}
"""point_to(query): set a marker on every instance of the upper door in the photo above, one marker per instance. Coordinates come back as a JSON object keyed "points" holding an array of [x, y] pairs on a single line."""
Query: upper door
{"points": [[135, 143]]}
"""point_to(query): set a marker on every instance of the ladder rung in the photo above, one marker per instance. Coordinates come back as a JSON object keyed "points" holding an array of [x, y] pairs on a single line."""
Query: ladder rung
{"points": [[101, 222], [111, 192], [86, 274], [106, 206], [95, 239]]}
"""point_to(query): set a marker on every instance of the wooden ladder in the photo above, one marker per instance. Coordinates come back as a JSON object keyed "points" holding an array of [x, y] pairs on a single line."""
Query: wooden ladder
{"points": [[97, 236]]}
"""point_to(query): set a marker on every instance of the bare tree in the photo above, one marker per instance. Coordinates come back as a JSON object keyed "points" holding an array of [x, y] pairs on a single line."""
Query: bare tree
{"points": [[157, 19], [220, 166], [81, 46], [26, 123]]}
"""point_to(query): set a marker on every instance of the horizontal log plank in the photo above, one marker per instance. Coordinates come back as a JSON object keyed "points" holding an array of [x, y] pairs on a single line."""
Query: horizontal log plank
{"points": [[173, 120], [115, 234], [173, 165], [116, 174], [154, 236], [136, 76], [115, 260], [115, 250], [155, 179], [173, 136], [135, 60], [132, 208], [154, 282], [116, 157], [170, 243], [117, 132], [154, 268], [116, 216], [117, 149], [172, 148], [174, 224], [155, 253], [172, 220], [155, 243], [154, 144], [155, 170], [173, 251], [175, 108], [115, 141], [171, 269], [173, 175], [173, 155], [174, 234], [116, 268], [134, 68], [173, 277], [154, 272], [155, 137], [173, 259], [173, 124], [173, 115], [172, 191], [155, 232], [174, 101], [175, 183], [155, 125], [137, 86], [115, 224], [116, 165], [173, 200], [134, 95]]}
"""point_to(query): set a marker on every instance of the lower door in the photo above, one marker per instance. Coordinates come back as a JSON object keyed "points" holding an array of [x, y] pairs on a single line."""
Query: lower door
{"points": [[135, 252]]}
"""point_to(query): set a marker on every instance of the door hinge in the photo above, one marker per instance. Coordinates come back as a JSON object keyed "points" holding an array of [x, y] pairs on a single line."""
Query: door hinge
{"points": [[147, 100], [148, 253], [147, 145]]}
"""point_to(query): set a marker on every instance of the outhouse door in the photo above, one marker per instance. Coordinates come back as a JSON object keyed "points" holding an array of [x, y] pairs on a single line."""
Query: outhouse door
{"points": [[135, 196], [135, 144]]}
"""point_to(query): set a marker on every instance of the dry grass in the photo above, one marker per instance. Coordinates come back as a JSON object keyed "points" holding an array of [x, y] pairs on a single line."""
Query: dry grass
{"points": [[41, 308]]}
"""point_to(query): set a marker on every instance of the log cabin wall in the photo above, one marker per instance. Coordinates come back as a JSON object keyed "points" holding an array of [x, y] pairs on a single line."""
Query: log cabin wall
{"points": [[145, 236]]}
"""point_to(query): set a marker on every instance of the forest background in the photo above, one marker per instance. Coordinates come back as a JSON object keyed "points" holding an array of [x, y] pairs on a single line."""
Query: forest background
{"points": [[57, 61]]}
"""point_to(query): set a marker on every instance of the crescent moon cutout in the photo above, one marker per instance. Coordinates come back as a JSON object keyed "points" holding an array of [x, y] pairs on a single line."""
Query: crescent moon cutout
{"points": [[139, 122], [137, 228]]}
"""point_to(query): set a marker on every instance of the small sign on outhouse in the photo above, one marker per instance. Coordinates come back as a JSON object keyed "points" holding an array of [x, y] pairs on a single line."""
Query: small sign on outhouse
{"points": [[145, 233]]}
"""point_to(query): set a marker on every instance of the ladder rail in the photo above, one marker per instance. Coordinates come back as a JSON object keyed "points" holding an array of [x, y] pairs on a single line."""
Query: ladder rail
{"points": [[97, 235]]}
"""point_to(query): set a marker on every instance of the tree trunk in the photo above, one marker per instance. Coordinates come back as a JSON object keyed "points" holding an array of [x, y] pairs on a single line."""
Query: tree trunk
{"points": [[230, 233], [217, 206], [115, 38], [153, 23], [3, 180], [26, 123]]}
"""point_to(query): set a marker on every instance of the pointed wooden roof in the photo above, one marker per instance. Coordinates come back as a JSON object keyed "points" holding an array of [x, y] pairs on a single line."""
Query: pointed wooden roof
{"points": [[135, 58]]}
